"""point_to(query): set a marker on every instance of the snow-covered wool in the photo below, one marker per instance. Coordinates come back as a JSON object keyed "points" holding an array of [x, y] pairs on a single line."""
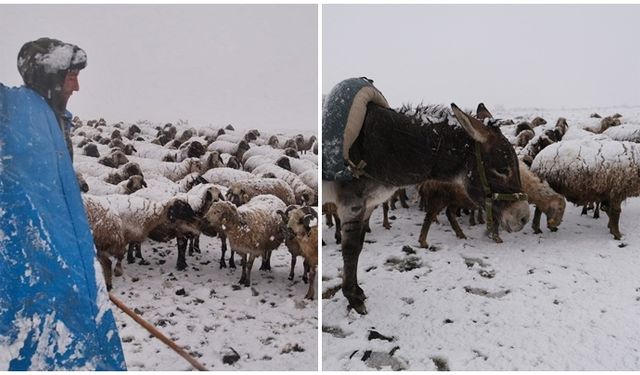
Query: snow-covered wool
{"points": [[98, 186], [172, 171], [309, 157], [121, 219], [226, 176], [592, 170], [625, 132], [241, 192], [299, 166], [310, 178], [252, 229], [267, 150], [305, 195], [603, 124], [546, 200], [153, 151], [237, 149], [304, 224], [254, 161]]}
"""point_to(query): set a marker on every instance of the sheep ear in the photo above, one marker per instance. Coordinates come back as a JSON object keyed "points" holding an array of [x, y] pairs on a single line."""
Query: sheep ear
{"points": [[282, 215], [130, 185], [208, 197], [220, 196], [474, 128]]}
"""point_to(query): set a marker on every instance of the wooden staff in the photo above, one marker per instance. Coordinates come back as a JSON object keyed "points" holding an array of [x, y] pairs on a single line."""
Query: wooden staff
{"points": [[157, 333]]}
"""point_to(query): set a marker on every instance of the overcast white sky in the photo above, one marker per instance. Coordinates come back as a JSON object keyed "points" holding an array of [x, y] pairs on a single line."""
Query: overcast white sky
{"points": [[251, 66], [512, 55]]}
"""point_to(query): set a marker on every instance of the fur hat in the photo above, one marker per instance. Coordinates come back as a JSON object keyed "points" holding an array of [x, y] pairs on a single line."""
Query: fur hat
{"points": [[44, 63]]}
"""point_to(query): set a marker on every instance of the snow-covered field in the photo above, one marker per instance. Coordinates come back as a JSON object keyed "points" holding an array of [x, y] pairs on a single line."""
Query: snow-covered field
{"points": [[269, 325], [568, 300]]}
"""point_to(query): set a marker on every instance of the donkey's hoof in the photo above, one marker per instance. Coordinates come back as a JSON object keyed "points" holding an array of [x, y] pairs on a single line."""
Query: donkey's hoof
{"points": [[358, 306]]}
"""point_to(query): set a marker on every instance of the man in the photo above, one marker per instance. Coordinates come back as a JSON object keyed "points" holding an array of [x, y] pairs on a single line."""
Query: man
{"points": [[54, 310]]}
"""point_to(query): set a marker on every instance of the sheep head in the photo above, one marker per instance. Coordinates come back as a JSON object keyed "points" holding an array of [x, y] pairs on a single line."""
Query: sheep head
{"points": [[222, 215], [555, 212]]}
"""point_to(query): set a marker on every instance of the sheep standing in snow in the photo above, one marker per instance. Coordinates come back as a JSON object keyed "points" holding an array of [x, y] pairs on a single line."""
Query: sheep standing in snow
{"points": [[547, 201], [253, 229], [592, 170], [330, 211], [242, 191], [303, 225], [119, 219], [305, 195]]}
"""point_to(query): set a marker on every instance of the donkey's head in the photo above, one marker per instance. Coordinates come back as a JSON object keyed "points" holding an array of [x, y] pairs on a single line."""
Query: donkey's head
{"points": [[494, 171]]}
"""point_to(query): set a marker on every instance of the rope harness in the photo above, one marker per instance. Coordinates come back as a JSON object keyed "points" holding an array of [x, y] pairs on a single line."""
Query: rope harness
{"points": [[489, 197]]}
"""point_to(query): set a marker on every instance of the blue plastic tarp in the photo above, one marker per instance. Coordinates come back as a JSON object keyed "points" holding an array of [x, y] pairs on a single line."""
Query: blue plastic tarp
{"points": [[54, 309]]}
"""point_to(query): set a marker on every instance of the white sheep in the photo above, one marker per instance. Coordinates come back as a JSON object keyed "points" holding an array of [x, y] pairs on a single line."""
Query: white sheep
{"points": [[226, 176], [253, 229], [242, 191], [170, 170], [592, 170], [304, 194], [120, 219], [97, 186]]}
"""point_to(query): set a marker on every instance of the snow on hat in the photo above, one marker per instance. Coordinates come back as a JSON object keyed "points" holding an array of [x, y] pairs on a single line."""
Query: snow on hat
{"points": [[44, 63]]}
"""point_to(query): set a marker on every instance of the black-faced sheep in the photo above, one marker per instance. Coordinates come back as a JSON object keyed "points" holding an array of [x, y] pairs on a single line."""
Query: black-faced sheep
{"points": [[253, 229], [119, 219], [114, 159], [592, 170]]}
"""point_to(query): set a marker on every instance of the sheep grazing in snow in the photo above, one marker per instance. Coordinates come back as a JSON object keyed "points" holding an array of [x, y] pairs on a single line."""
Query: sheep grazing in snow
{"points": [[119, 219], [301, 239], [547, 201], [242, 191], [253, 229], [172, 171], [226, 176], [128, 186], [304, 194], [236, 149], [123, 173], [114, 159], [592, 170]]}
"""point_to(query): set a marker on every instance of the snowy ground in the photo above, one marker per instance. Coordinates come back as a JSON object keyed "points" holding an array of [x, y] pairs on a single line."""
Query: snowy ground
{"points": [[568, 300], [269, 325]]}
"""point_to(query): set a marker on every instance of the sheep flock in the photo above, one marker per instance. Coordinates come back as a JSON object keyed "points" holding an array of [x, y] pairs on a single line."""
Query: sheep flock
{"points": [[179, 213]]}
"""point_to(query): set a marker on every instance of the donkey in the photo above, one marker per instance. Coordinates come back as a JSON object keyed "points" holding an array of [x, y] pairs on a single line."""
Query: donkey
{"points": [[399, 149]]}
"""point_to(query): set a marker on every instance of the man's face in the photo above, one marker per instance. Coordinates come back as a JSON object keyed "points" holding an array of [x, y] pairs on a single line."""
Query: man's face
{"points": [[70, 84]]}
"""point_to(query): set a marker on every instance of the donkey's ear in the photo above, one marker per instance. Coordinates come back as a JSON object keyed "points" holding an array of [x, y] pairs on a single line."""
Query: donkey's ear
{"points": [[482, 112], [472, 126]]}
